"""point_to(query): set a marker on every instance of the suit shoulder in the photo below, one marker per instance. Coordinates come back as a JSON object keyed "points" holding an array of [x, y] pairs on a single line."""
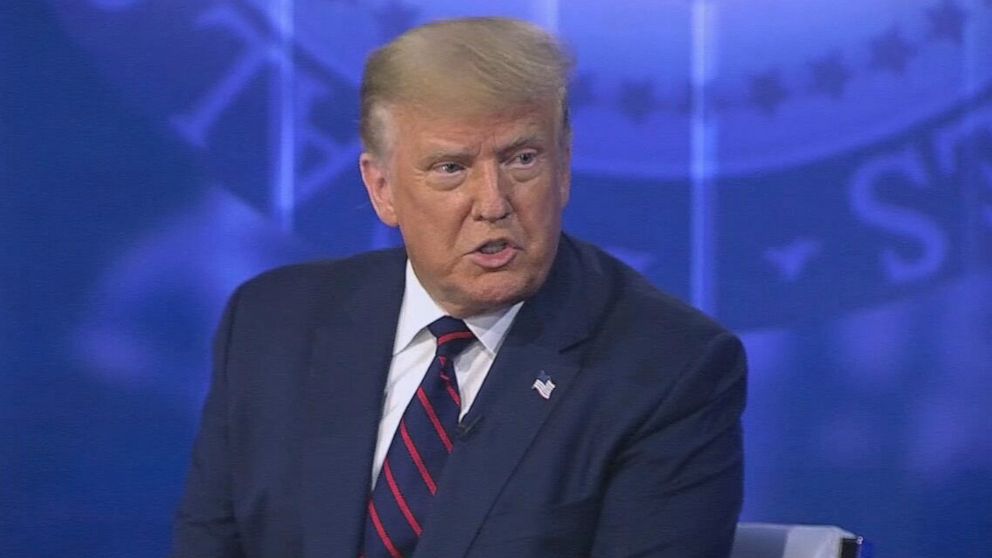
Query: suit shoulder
{"points": [[314, 277], [650, 339], [632, 299]]}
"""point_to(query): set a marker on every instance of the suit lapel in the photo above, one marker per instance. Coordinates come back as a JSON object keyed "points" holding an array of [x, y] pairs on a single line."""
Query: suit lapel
{"points": [[348, 368], [508, 413]]}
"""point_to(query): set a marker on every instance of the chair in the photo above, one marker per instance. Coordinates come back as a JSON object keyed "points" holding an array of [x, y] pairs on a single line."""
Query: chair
{"points": [[768, 540]]}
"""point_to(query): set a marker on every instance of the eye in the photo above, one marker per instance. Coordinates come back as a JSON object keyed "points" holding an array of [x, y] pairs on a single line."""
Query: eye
{"points": [[448, 168], [526, 158]]}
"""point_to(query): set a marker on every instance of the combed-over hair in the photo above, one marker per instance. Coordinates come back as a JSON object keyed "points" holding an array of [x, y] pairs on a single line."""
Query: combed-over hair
{"points": [[471, 66]]}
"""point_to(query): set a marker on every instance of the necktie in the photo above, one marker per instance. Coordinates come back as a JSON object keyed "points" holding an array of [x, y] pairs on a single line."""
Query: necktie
{"points": [[408, 480]]}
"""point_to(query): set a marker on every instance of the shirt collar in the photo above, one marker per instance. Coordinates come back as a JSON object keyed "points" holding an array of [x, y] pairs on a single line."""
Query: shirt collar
{"points": [[418, 310]]}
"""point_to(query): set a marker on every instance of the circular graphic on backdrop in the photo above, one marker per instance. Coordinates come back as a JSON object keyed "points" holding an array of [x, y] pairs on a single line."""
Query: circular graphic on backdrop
{"points": [[833, 135], [785, 82]]}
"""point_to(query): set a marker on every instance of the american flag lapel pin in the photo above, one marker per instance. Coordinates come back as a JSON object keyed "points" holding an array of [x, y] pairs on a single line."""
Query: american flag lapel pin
{"points": [[544, 385]]}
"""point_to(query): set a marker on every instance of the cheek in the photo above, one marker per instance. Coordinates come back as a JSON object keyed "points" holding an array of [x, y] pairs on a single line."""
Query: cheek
{"points": [[542, 212], [437, 233]]}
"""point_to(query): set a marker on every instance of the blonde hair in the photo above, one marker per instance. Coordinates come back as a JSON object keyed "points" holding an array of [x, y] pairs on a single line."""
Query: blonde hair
{"points": [[470, 66]]}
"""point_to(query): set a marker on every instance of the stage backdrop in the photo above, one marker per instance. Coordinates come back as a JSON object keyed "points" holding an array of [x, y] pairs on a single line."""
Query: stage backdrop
{"points": [[815, 173]]}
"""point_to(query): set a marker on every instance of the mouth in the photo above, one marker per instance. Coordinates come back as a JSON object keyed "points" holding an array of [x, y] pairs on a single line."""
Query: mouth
{"points": [[495, 254], [493, 247]]}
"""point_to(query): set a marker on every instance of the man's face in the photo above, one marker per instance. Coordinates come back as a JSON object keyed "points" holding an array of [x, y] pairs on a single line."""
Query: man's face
{"points": [[477, 200]]}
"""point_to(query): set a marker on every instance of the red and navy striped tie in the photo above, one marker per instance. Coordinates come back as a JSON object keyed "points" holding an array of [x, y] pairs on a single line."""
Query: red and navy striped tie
{"points": [[401, 500]]}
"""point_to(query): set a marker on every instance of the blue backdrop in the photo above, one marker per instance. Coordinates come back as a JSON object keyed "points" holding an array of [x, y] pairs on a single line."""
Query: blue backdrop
{"points": [[815, 173]]}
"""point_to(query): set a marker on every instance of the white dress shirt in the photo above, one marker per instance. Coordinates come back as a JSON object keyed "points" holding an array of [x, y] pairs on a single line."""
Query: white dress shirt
{"points": [[413, 351]]}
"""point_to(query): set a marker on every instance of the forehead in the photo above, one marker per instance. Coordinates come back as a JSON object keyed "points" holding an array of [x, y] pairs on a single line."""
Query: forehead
{"points": [[422, 126]]}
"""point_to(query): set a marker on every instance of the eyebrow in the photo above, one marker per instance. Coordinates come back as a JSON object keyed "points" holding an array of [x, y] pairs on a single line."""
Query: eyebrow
{"points": [[462, 155], [529, 139], [442, 154]]}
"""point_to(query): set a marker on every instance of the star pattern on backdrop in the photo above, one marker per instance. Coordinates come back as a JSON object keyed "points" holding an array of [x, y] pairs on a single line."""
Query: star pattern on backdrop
{"points": [[792, 259], [830, 75], [890, 51], [767, 92], [637, 99], [947, 21]]}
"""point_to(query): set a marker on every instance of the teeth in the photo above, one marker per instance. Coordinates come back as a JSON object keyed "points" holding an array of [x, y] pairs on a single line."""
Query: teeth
{"points": [[493, 247]]}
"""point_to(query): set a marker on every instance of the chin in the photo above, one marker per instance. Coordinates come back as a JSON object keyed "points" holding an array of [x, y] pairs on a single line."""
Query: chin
{"points": [[505, 292]]}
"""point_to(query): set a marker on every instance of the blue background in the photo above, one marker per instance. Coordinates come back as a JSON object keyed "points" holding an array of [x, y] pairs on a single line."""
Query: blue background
{"points": [[817, 174]]}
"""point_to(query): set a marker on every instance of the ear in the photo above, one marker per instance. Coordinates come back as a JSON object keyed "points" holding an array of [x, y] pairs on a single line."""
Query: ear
{"points": [[379, 187]]}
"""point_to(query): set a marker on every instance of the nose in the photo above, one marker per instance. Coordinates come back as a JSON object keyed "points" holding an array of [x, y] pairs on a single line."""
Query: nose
{"points": [[492, 202]]}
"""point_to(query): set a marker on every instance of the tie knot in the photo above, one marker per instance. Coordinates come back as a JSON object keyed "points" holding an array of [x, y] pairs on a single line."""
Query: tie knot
{"points": [[453, 336]]}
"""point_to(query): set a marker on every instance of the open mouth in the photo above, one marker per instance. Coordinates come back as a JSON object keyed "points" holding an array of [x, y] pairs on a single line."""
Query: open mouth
{"points": [[494, 247], [495, 254]]}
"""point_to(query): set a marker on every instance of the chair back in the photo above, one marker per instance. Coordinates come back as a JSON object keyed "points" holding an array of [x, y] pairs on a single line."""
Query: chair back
{"points": [[771, 540]]}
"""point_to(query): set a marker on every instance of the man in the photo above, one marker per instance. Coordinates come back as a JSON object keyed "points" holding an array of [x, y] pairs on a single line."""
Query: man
{"points": [[567, 409]]}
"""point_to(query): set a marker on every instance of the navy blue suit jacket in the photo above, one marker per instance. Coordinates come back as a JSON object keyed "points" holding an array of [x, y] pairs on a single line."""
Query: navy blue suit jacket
{"points": [[636, 453]]}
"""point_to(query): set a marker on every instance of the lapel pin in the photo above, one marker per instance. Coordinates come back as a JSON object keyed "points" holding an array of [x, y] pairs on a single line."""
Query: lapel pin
{"points": [[544, 385]]}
